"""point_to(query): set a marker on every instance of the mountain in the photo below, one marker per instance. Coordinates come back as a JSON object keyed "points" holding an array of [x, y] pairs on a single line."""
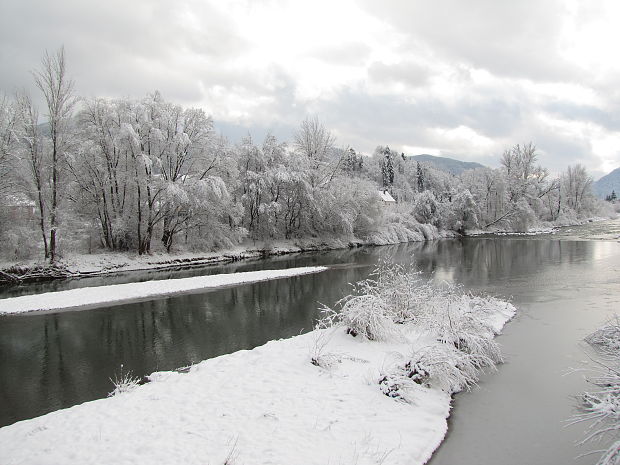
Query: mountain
{"points": [[446, 164], [608, 183]]}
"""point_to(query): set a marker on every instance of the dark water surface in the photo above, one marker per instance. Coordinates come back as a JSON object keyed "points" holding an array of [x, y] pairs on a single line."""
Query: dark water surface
{"points": [[563, 289]]}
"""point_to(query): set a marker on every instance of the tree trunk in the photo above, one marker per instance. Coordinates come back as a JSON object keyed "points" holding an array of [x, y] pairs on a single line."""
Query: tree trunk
{"points": [[54, 198]]}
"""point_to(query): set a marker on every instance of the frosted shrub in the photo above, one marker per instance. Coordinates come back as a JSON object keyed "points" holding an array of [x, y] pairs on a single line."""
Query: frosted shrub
{"points": [[124, 382], [456, 322], [426, 208], [607, 338], [402, 291], [395, 301], [442, 366], [369, 317], [391, 296], [601, 408]]}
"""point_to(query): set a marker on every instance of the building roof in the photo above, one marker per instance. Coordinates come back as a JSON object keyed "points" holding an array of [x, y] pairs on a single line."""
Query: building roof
{"points": [[385, 196]]}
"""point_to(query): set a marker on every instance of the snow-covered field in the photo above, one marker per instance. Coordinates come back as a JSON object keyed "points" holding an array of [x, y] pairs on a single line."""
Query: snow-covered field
{"points": [[121, 293], [316, 398]]}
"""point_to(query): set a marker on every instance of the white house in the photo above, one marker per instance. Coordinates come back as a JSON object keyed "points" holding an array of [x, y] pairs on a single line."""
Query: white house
{"points": [[386, 197]]}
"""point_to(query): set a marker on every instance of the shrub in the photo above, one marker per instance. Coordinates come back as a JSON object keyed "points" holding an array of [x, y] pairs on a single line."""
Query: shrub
{"points": [[601, 408], [125, 382], [395, 300]]}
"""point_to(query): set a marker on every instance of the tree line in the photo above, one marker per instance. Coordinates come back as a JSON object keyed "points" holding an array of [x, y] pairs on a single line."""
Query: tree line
{"points": [[145, 174]]}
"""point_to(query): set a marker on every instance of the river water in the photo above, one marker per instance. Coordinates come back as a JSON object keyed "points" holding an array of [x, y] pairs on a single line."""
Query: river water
{"points": [[564, 285]]}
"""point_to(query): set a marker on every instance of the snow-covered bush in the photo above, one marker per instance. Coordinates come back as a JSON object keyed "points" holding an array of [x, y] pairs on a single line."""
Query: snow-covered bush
{"points": [[368, 316], [601, 408], [426, 208], [396, 302], [523, 217], [458, 319], [392, 295], [318, 355], [440, 365], [123, 382], [607, 338], [464, 212]]}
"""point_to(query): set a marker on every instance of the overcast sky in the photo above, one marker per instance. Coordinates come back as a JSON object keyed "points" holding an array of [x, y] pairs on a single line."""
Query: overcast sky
{"points": [[447, 77]]}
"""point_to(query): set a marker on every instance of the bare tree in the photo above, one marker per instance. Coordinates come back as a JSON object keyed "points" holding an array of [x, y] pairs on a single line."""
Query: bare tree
{"points": [[33, 156], [57, 89], [577, 184], [316, 144], [525, 179], [314, 140]]}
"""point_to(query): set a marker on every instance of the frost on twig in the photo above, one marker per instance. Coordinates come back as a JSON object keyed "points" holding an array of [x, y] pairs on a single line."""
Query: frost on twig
{"points": [[123, 382], [601, 407]]}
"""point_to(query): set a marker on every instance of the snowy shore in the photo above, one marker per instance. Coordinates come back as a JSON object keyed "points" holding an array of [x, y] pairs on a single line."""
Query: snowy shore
{"points": [[102, 263], [80, 265], [266, 405], [121, 293]]}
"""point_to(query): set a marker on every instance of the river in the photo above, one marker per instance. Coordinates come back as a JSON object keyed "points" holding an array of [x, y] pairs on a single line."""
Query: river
{"points": [[564, 286]]}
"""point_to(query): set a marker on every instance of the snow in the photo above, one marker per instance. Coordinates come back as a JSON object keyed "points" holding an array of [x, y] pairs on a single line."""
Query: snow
{"points": [[269, 405], [121, 293], [386, 196], [102, 263]]}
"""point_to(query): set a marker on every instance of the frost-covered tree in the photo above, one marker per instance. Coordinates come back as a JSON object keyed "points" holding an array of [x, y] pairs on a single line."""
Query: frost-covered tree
{"points": [[524, 178], [101, 171], [8, 143], [464, 212], [57, 89], [33, 156], [387, 166], [426, 209], [352, 162], [315, 143], [576, 187]]}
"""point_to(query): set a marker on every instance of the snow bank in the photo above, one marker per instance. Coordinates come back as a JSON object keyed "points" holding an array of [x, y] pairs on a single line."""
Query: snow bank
{"points": [[409, 231], [121, 293], [101, 263], [267, 405]]}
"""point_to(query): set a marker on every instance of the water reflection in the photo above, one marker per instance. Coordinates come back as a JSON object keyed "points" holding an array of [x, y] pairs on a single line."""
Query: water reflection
{"points": [[53, 361], [56, 360]]}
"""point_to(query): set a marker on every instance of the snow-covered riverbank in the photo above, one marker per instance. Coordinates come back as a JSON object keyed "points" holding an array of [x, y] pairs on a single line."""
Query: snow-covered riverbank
{"points": [[121, 293], [311, 399], [102, 263]]}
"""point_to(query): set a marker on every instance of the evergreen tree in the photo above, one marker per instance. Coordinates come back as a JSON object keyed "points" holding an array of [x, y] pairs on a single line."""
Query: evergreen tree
{"points": [[387, 167], [420, 177]]}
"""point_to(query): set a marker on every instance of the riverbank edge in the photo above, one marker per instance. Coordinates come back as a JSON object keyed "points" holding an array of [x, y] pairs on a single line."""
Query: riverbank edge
{"points": [[116, 294], [106, 263]]}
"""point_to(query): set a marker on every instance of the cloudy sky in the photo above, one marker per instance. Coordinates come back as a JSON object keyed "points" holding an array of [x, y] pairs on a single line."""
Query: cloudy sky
{"points": [[446, 77]]}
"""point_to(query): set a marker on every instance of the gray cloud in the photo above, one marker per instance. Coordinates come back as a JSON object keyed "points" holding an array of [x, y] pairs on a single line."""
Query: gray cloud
{"points": [[195, 52], [572, 112], [406, 72], [518, 39]]}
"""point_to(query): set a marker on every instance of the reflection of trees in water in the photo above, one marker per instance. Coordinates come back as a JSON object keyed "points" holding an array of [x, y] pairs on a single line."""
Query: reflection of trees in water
{"points": [[480, 262], [274, 262], [56, 360]]}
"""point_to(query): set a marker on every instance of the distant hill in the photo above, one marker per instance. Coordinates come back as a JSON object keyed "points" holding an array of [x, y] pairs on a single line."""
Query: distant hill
{"points": [[447, 164], [608, 183]]}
